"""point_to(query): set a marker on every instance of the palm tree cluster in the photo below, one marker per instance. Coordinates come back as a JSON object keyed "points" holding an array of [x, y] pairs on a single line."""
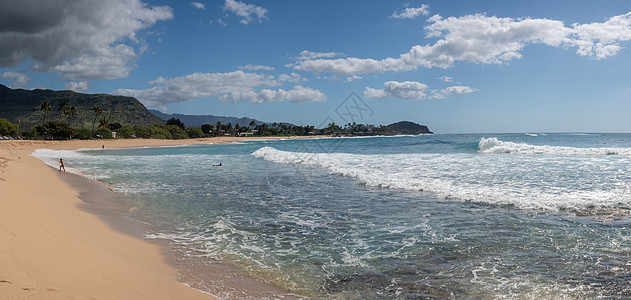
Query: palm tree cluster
{"points": [[69, 112], [46, 109]]}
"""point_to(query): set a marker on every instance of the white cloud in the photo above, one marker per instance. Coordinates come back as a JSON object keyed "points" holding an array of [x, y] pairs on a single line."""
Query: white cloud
{"points": [[452, 91], [82, 39], [446, 78], [198, 5], [485, 40], [602, 39], [306, 54], [104, 63], [245, 11], [81, 86], [353, 78], [235, 86], [256, 68], [20, 80], [298, 95], [412, 90], [293, 77], [411, 12], [341, 66], [222, 22]]}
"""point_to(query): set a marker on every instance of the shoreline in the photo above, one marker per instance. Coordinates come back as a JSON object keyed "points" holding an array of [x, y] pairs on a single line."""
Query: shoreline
{"points": [[66, 236]]}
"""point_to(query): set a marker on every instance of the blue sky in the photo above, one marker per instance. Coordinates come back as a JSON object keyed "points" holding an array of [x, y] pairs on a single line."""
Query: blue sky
{"points": [[456, 66]]}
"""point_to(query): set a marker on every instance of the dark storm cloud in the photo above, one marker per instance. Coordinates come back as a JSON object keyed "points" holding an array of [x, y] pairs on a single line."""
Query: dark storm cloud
{"points": [[82, 39]]}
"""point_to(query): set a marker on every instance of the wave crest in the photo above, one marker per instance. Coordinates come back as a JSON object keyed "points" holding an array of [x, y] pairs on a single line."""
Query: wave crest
{"points": [[521, 181], [495, 146]]}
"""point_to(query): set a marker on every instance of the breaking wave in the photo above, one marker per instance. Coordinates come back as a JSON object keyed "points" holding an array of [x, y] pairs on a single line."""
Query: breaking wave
{"points": [[548, 183], [496, 146]]}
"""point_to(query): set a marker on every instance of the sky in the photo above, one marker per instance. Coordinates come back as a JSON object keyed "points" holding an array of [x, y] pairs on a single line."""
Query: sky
{"points": [[456, 66]]}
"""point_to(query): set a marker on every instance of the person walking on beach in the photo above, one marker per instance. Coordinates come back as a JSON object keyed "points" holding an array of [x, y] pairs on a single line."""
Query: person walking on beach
{"points": [[61, 166]]}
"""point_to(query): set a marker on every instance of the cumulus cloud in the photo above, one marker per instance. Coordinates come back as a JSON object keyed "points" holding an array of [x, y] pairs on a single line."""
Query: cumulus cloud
{"points": [[20, 80], [293, 77], [602, 39], [230, 86], [82, 39], [105, 63], [306, 54], [485, 40], [446, 78], [198, 5], [353, 78], [247, 12], [256, 68], [298, 95], [81, 86], [412, 90], [452, 91], [411, 12]]}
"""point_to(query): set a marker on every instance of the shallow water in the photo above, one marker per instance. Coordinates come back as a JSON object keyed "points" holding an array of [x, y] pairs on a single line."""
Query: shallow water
{"points": [[434, 216]]}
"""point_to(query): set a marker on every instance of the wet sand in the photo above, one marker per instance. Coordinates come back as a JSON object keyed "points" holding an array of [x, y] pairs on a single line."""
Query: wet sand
{"points": [[63, 236]]}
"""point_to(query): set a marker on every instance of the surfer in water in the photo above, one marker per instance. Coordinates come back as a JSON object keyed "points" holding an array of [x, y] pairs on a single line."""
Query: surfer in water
{"points": [[219, 165]]}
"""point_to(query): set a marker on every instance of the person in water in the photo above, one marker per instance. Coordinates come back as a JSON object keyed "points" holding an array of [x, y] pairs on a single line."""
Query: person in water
{"points": [[219, 165], [61, 166]]}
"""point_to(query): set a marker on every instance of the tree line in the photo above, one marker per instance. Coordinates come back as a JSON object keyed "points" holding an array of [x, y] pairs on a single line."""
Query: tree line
{"points": [[60, 128]]}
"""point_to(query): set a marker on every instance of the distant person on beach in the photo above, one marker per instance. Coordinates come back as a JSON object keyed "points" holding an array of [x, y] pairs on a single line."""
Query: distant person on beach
{"points": [[219, 165], [61, 166]]}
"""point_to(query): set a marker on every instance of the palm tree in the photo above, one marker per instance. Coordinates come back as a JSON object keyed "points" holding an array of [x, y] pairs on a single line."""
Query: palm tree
{"points": [[63, 108], [252, 124], [72, 112], [97, 112], [104, 123], [46, 109], [218, 128]]}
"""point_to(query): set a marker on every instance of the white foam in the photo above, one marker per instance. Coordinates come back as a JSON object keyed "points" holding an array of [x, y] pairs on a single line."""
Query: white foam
{"points": [[51, 158], [496, 146], [548, 183]]}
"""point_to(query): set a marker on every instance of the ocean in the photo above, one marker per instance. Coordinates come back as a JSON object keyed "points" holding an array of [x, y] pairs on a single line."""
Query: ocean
{"points": [[532, 216]]}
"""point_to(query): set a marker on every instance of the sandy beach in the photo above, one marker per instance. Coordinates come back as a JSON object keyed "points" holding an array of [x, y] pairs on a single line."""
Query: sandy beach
{"points": [[54, 244]]}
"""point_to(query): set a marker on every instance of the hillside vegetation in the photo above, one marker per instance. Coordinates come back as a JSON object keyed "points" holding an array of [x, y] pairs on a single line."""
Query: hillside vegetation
{"points": [[22, 107], [47, 114]]}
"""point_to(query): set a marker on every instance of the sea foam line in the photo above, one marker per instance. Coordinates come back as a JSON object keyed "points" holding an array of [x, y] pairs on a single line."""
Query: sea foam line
{"points": [[51, 158]]}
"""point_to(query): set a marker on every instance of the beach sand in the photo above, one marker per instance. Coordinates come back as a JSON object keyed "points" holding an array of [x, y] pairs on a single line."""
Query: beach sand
{"points": [[63, 239]]}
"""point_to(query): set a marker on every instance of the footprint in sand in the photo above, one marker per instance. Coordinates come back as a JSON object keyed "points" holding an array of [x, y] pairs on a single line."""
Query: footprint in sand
{"points": [[5, 281]]}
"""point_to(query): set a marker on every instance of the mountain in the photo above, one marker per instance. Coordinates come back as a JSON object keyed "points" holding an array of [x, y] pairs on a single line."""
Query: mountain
{"points": [[23, 106], [406, 127], [198, 120]]}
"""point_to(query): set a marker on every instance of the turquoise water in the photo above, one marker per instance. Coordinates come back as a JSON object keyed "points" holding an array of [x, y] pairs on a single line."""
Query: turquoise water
{"points": [[540, 216]]}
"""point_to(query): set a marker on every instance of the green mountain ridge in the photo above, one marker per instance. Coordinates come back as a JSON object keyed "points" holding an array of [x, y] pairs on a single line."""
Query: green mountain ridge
{"points": [[407, 127], [198, 120], [22, 107]]}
